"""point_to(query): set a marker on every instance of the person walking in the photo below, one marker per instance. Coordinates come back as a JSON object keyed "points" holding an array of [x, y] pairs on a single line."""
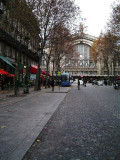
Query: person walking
{"points": [[59, 84], [78, 84], [52, 84]]}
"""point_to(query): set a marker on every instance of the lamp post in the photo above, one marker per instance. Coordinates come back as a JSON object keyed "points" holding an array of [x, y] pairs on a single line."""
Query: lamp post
{"points": [[26, 89], [39, 71], [17, 72]]}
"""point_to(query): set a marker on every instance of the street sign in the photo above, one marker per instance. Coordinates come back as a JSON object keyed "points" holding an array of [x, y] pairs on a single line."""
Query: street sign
{"points": [[59, 73]]}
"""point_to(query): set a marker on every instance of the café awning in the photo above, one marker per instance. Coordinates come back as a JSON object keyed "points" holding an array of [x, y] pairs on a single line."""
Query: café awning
{"points": [[2, 72], [43, 72], [33, 70], [6, 60], [118, 78], [10, 75]]}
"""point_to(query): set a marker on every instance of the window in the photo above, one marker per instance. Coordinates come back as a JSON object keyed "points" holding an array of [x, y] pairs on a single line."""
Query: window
{"points": [[105, 65], [1, 7], [81, 50], [118, 63], [85, 51], [85, 63], [10, 53], [105, 72], [3, 49], [15, 55], [43, 63]]}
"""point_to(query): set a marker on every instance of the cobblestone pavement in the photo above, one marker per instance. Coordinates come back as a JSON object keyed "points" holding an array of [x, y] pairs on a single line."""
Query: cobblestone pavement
{"points": [[86, 126]]}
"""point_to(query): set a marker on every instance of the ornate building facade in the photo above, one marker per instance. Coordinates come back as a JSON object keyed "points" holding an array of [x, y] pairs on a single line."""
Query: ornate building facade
{"points": [[81, 64], [18, 46]]}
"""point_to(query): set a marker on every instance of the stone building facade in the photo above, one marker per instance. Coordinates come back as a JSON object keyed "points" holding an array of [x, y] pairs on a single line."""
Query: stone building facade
{"points": [[81, 63], [18, 48]]}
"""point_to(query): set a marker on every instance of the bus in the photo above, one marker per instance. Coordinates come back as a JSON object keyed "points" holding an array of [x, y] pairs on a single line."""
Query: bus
{"points": [[65, 79]]}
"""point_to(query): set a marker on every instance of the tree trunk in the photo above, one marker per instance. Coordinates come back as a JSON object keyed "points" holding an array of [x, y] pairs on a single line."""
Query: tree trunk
{"points": [[46, 81], [114, 65], [107, 71], [38, 79]]}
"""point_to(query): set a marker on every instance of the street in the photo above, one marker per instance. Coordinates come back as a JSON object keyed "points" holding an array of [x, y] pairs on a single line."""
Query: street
{"points": [[85, 126]]}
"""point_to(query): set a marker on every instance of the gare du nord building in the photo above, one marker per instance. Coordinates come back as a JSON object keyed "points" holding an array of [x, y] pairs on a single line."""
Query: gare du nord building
{"points": [[82, 66]]}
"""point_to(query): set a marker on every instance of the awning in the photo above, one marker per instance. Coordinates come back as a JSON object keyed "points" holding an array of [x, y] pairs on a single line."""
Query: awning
{"points": [[3, 72], [33, 70], [118, 78], [6, 60], [48, 74], [10, 75], [43, 72]]}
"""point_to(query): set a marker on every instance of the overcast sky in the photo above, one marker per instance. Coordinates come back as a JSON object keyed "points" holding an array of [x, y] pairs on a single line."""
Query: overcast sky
{"points": [[96, 13]]}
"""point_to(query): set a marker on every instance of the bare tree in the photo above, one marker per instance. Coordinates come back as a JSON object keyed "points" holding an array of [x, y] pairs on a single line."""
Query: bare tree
{"points": [[114, 33], [50, 13], [63, 44], [100, 52]]}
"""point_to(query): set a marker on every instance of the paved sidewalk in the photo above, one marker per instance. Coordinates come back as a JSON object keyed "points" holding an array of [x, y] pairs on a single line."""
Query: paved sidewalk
{"points": [[22, 118], [7, 97]]}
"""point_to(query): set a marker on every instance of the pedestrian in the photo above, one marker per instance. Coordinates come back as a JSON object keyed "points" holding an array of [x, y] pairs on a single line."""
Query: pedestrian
{"points": [[52, 84], [105, 82], [78, 84], [85, 81], [48, 83]]}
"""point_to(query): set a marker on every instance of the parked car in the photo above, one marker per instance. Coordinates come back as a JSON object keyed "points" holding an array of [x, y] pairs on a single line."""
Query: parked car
{"points": [[71, 81], [100, 83], [94, 82], [81, 82], [76, 82]]}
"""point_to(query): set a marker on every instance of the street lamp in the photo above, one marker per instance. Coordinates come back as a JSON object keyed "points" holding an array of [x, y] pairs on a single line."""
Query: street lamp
{"points": [[26, 89], [39, 71]]}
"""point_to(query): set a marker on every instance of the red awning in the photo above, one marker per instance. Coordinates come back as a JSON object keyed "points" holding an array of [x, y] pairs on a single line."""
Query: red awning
{"points": [[10, 75], [43, 72], [48, 74], [3, 72], [118, 78], [33, 69]]}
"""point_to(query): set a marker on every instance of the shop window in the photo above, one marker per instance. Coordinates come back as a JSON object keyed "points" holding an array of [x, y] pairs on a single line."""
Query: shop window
{"points": [[10, 53], [15, 55], [118, 63], [3, 49], [105, 72]]}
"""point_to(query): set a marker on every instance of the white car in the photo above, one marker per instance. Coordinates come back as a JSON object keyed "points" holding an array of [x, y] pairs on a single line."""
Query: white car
{"points": [[81, 82], [71, 81], [100, 83], [76, 82]]}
